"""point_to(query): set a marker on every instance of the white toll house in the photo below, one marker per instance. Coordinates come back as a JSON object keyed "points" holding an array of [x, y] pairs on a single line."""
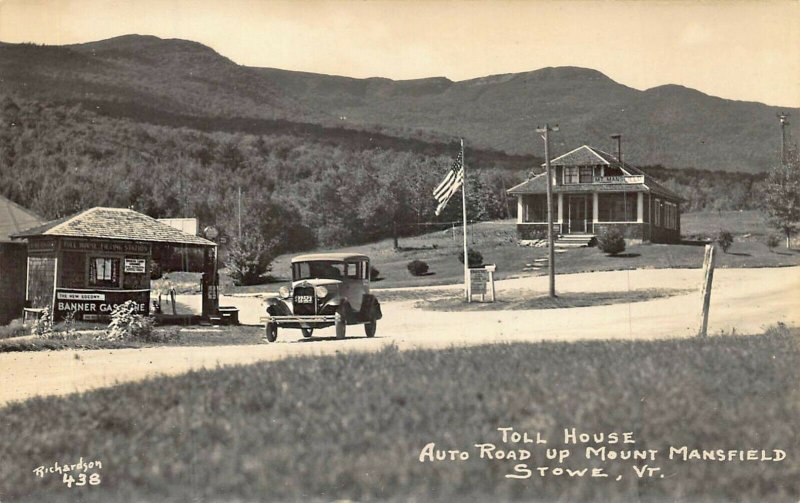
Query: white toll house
{"points": [[594, 191]]}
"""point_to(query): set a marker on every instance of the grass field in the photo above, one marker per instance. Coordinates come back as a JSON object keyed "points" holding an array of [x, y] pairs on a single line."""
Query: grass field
{"points": [[498, 243], [352, 426], [186, 336], [449, 302]]}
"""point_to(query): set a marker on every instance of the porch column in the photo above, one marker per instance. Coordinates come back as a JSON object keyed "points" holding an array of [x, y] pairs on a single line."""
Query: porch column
{"points": [[560, 208], [595, 207], [519, 209], [640, 207]]}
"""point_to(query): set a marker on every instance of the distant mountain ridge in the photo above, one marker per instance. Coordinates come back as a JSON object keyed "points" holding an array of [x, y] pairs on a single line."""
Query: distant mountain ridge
{"points": [[670, 124]]}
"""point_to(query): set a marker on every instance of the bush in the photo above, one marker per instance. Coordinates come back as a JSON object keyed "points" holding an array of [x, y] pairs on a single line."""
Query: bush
{"points": [[249, 259], [773, 241], [155, 270], [611, 241], [374, 273], [417, 267], [474, 256], [126, 324], [43, 326], [14, 329], [725, 240]]}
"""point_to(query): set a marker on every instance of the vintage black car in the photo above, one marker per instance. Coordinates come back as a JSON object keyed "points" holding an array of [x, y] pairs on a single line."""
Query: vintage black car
{"points": [[328, 289]]}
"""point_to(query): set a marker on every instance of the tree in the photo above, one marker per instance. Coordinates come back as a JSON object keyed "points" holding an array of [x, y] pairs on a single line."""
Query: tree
{"points": [[249, 258], [782, 195]]}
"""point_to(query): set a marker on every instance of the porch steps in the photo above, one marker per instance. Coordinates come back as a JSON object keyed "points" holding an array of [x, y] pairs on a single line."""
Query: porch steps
{"points": [[574, 240]]}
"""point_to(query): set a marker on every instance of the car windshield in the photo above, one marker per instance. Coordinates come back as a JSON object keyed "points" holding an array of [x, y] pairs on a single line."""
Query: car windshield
{"points": [[325, 269]]}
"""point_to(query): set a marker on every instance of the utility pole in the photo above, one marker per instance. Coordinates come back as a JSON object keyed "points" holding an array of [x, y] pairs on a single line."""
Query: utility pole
{"points": [[618, 137], [784, 118], [551, 263], [240, 213]]}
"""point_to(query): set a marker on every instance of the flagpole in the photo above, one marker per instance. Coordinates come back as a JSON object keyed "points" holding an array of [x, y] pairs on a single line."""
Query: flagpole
{"points": [[464, 214]]}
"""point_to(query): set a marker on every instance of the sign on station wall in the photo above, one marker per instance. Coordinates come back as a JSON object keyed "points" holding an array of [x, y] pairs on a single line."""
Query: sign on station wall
{"points": [[94, 304], [135, 265]]}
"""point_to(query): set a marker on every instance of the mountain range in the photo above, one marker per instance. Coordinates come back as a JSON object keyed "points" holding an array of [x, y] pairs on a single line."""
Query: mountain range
{"points": [[179, 82]]}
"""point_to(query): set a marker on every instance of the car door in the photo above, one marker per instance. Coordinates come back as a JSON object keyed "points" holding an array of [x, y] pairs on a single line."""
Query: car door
{"points": [[353, 283]]}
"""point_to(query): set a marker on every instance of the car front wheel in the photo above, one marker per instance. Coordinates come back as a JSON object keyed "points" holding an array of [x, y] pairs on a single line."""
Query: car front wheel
{"points": [[271, 332]]}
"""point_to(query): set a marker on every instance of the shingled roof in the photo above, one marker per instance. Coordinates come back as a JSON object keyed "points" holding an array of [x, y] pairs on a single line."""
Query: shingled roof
{"points": [[14, 218], [590, 156], [114, 223]]}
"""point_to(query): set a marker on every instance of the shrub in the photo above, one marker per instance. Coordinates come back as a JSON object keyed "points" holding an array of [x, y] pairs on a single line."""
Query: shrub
{"points": [[14, 329], [725, 240], [374, 273], [773, 241], [474, 256], [611, 241], [43, 326], [126, 324], [155, 270], [417, 267], [67, 329]]}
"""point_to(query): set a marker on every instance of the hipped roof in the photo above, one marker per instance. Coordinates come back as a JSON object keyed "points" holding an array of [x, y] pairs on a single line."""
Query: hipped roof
{"points": [[590, 156], [114, 223], [14, 218]]}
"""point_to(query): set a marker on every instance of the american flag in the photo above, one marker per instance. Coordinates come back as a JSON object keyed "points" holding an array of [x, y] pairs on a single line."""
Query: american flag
{"points": [[451, 183]]}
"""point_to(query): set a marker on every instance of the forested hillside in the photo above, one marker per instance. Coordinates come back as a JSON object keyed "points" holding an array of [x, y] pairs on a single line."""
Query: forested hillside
{"points": [[304, 188], [57, 160]]}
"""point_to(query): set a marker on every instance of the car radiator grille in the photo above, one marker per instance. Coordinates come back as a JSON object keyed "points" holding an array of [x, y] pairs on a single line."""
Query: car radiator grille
{"points": [[303, 309]]}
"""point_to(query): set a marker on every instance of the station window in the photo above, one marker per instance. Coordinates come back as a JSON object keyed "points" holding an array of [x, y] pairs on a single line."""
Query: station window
{"points": [[104, 271]]}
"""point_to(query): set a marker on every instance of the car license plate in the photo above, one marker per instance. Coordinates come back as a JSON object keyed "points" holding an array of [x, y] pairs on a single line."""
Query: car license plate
{"points": [[304, 299]]}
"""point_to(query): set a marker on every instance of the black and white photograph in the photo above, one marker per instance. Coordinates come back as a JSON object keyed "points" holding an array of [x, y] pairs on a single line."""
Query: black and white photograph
{"points": [[399, 251]]}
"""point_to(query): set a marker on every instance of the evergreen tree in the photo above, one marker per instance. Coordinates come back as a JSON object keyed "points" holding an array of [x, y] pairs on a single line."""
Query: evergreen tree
{"points": [[782, 195]]}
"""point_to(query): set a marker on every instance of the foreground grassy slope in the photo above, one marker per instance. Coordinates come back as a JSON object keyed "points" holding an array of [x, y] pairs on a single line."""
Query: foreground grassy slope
{"points": [[352, 426]]}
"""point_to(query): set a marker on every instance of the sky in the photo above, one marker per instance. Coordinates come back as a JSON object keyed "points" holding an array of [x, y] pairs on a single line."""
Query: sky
{"points": [[745, 50]]}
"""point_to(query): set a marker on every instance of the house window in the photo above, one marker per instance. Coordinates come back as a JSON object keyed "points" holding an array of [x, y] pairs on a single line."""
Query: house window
{"points": [[670, 215], [617, 207], [657, 212], [586, 174], [104, 272], [570, 174], [536, 208]]}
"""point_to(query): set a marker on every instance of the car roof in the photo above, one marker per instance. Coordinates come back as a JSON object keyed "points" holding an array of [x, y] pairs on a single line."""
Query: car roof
{"points": [[337, 257]]}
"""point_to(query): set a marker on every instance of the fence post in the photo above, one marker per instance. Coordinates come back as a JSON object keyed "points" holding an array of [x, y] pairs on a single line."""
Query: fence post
{"points": [[708, 278]]}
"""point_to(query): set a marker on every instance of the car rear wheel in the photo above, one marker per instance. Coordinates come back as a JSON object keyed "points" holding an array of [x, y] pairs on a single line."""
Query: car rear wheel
{"points": [[307, 332], [341, 324], [370, 327], [271, 332]]}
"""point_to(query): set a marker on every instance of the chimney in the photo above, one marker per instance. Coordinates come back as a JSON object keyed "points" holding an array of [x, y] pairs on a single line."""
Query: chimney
{"points": [[618, 137]]}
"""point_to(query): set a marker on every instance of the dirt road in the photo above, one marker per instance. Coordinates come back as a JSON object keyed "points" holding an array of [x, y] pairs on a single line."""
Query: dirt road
{"points": [[746, 300]]}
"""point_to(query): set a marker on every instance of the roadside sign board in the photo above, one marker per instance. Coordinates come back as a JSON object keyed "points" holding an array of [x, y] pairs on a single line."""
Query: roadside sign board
{"points": [[481, 282], [478, 280]]}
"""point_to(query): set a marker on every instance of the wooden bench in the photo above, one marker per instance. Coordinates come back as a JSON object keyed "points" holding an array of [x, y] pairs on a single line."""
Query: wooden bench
{"points": [[36, 312]]}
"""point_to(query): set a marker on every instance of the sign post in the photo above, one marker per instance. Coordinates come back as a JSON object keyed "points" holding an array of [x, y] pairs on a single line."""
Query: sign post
{"points": [[481, 279], [708, 278]]}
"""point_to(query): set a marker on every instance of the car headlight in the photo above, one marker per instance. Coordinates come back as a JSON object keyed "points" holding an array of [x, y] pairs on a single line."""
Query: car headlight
{"points": [[284, 292], [321, 292]]}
